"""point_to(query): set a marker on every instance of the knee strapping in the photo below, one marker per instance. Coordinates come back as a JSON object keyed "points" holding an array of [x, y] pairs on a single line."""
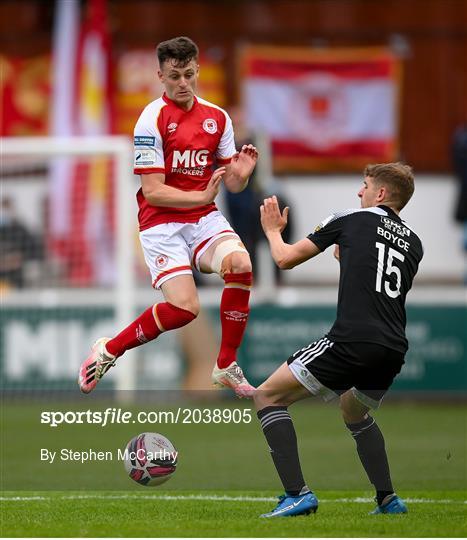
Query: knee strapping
{"points": [[223, 249]]}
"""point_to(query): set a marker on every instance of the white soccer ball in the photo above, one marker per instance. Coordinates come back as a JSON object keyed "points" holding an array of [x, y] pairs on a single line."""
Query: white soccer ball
{"points": [[150, 459]]}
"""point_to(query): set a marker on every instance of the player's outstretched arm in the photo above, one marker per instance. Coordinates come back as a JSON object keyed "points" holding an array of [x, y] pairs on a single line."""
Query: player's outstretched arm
{"points": [[273, 222], [157, 193], [238, 171]]}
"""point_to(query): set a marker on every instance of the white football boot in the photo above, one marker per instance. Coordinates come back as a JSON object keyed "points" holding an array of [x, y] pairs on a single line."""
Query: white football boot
{"points": [[232, 377]]}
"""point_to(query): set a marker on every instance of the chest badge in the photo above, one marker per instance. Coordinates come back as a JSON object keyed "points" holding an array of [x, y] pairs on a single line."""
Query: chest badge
{"points": [[210, 126], [172, 127]]}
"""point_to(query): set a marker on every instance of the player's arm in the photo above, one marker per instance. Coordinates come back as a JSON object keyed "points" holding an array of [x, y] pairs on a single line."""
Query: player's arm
{"points": [[157, 193], [239, 170], [336, 252], [285, 255]]}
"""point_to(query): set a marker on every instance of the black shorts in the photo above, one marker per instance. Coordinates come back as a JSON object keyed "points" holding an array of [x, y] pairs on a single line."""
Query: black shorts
{"points": [[329, 369]]}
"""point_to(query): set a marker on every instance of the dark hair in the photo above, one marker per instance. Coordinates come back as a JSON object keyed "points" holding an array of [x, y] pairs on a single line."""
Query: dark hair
{"points": [[397, 177], [181, 49]]}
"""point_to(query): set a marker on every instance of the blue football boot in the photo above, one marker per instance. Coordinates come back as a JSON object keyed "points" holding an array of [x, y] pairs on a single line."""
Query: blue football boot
{"points": [[289, 505], [394, 505]]}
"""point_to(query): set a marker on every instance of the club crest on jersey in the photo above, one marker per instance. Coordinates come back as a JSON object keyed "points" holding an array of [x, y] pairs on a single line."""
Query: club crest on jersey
{"points": [[210, 126], [161, 261], [172, 127]]}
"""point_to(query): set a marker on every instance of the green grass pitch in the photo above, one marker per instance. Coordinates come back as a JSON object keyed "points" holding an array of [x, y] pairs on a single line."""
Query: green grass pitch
{"points": [[225, 477], [147, 515]]}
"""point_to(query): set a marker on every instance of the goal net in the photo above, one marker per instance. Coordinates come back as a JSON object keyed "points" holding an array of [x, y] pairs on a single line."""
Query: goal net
{"points": [[68, 235]]}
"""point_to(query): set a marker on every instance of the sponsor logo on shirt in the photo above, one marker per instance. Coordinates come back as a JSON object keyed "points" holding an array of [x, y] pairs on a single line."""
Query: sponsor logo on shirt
{"points": [[143, 140], [394, 226], [145, 158], [172, 127], [210, 126], [192, 162]]}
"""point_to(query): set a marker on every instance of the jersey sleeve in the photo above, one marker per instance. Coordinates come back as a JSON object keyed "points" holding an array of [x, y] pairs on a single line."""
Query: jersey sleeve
{"points": [[226, 148], [149, 154], [327, 233]]}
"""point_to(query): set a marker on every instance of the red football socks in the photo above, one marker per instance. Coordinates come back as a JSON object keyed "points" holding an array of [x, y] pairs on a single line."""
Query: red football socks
{"points": [[150, 324], [161, 317], [234, 312]]}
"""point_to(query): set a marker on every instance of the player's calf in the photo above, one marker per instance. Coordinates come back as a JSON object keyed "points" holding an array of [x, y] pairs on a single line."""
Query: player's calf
{"points": [[149, 325], [234, 311]]}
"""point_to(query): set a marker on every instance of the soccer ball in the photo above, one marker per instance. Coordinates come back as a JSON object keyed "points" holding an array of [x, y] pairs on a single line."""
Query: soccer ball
{"points": [[150, 459]]}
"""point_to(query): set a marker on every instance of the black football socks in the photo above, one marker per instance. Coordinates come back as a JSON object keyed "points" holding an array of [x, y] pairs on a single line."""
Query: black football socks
{"points": [[280, 434], [372, 454]]}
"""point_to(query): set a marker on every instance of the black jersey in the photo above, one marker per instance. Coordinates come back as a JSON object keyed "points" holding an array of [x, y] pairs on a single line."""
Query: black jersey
{"points": [[379, 257]]}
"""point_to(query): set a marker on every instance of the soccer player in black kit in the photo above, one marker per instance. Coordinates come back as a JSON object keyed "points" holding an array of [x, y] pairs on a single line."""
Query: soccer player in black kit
{"points": [[358, 359]]}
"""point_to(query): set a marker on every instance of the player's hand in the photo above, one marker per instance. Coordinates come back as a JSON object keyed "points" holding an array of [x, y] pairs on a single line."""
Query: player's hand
{"points": [[214, 184], [244, 162], [336, 252], [271, 218]]}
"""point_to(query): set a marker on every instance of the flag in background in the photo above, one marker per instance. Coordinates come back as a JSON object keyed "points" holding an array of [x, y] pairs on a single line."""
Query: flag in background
{"points": [[81, 217], [334, 109], [64, 61]]}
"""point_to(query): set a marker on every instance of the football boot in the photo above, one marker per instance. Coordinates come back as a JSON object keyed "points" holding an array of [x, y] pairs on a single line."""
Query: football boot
{"points": [[393, 505], [232, 377], [95, 366], [298, 505]]}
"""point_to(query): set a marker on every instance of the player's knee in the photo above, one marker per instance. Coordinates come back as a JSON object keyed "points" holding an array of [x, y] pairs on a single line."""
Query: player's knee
{"points": [[262, 398], [239, 263], [267, 396], [230, 255], [193, 307], [352, 411], [188, 304]]}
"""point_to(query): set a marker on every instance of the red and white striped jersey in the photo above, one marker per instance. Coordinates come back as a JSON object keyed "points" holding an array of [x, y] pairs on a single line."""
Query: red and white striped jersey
{"points": [[184, 146]]}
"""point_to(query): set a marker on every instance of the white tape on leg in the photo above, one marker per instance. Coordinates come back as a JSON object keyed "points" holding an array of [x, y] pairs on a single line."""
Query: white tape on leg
{"points": [[223, 249]]}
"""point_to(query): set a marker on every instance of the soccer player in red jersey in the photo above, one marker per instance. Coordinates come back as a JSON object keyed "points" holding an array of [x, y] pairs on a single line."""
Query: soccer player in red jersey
{"points": [[177, 139]]}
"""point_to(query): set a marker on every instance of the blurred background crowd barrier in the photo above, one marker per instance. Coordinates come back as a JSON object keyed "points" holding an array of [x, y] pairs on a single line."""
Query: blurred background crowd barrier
{"points": [[322, 88]]}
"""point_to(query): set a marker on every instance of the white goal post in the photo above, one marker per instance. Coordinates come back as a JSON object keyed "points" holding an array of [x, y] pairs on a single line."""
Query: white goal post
{"points": [[120, 150]]}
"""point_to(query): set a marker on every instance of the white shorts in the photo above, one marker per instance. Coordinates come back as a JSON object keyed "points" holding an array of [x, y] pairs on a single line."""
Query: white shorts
{"points": [[173, 249]]}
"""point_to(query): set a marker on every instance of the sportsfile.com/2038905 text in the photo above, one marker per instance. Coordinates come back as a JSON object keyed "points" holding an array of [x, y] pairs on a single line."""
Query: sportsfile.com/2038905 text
{"points": [[181, 415]]}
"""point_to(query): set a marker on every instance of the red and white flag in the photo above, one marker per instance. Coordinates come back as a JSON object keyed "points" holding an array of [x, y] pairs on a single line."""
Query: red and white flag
{"points": [[81, 200], [325, 109]]}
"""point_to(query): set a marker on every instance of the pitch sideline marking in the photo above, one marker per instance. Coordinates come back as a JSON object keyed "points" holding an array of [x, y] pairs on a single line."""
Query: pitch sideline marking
{"points": [[215, 498]]}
